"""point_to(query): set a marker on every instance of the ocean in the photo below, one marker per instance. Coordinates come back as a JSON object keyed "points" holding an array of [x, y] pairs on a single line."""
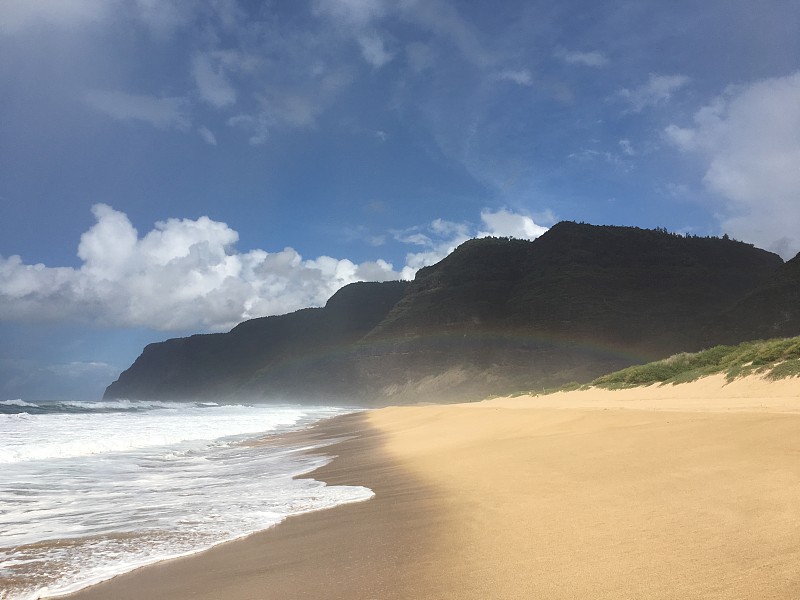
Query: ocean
{"points": [[89, 490]]}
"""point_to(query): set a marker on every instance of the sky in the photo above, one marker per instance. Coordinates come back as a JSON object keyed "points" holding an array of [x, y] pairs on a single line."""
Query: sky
{"points": [[170, 167]]}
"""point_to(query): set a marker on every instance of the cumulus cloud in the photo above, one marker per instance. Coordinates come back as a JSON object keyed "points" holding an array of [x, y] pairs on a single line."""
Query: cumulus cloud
{"points": [[504, 223], [586, 59], [183, 274], [657, 90], [440, 237], [164, 113], [187, 274], [437, 239], [749, 140]]}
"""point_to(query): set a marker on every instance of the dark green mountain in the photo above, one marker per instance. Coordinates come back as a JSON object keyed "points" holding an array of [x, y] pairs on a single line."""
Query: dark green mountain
{"points": [[770, 310], [284, 350], [496, 315]]}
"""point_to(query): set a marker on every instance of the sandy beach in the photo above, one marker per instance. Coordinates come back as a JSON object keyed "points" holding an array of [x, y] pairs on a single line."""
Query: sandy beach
{"points": [[688, 491]]}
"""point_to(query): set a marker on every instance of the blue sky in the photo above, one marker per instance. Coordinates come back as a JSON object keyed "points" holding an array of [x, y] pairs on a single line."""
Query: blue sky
{"points": [[170, 167]]}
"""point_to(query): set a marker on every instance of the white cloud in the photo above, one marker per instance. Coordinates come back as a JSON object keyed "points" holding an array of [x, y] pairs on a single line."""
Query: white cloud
{"points": [[355, 18], [504, 223], [183, 274], [443, 19], [436, 251], [211, 82], [373, 49], [229, 13], [357, 13], [518, 76], [657, 90], [586, 59], [749, 140], [256, 126], [163, 17], [207, 135], [438, 17], [297, 105], [82, 369], [187, 274], [297, 109], [15, 15], [164, 113], [414, 237], [442, 227], [592, 156], [440, 237], [626, 147]]}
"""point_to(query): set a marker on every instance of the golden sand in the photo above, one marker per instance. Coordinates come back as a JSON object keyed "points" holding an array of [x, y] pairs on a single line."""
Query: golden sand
{"points": [[676, 492]]}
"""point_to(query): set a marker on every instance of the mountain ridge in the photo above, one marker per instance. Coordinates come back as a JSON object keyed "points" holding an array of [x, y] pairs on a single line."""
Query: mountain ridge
{"points": [[496, 314]]}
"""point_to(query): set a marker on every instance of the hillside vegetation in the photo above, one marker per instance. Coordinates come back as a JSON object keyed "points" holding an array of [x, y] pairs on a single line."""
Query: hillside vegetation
{"points": [[773, 359], [494, 316]]}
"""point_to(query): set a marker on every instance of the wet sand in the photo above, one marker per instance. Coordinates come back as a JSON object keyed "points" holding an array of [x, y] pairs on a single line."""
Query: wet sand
{"points": [[681, 492], [351, 551]]}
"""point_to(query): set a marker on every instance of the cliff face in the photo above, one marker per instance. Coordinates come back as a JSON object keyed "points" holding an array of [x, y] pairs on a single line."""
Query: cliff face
{"points": [[278, 348], [496, 315]]}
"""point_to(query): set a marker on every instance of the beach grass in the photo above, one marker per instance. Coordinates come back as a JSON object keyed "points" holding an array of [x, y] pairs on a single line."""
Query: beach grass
{"points": [[772, 359]]}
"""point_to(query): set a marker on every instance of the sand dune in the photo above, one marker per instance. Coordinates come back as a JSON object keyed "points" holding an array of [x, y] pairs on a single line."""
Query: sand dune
{"points": [[688, 491], [710, 394]]}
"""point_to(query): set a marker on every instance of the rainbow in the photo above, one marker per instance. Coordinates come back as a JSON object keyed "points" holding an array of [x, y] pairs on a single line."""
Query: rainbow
{"points": [[468, 339]]}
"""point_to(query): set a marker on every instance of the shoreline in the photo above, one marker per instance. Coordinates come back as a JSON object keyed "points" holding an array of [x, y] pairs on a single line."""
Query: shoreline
{"points": [[680, 491], [271, 562]]}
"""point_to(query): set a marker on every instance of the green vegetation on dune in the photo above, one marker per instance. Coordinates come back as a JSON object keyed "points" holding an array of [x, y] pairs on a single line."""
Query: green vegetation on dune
{"points": [[773, 359]]}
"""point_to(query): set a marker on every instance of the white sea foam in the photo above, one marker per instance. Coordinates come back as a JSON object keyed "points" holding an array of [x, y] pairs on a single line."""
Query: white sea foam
{"points": [[89, 496], [121, 404], [66, 435], [17, 402]]}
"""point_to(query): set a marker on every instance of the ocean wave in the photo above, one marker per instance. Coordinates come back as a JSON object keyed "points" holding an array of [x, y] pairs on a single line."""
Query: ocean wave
{"points": [[102, 406], [70, 522], [26, 435], [117, 405], [18, 402]]}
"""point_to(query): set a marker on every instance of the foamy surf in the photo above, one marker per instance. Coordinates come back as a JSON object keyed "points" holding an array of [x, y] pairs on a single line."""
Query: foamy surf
{"points": [[92, 490]]}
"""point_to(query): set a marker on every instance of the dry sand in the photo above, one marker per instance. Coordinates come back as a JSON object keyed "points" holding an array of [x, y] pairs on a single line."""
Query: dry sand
{"points": [[686, 491]]}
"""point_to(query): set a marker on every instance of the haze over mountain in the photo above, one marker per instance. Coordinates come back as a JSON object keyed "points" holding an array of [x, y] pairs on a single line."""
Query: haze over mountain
{"points": [[496, 315]]}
